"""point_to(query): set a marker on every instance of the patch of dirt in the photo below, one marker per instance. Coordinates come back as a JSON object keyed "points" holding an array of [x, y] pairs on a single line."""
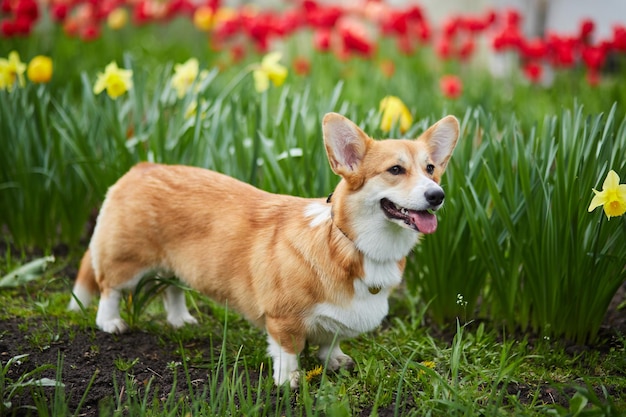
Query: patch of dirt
{"points": [[93, 355]]}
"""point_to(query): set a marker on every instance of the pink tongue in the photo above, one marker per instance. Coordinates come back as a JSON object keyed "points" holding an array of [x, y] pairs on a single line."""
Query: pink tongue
{"points": [[425, 221]]}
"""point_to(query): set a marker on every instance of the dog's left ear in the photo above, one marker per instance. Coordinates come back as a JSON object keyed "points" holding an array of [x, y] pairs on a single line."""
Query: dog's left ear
{"points": [[441, 138], [346, 144]]}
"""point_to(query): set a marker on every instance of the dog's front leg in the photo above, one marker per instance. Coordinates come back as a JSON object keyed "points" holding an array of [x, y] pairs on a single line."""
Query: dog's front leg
{"points": [[284, 345]]}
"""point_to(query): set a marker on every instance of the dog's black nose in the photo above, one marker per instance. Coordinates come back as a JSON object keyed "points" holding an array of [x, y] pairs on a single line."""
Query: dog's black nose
{"points": [[434, 196]]}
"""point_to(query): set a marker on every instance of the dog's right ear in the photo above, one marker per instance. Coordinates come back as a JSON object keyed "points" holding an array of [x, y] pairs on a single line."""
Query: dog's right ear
{"points": [[346, 144]]}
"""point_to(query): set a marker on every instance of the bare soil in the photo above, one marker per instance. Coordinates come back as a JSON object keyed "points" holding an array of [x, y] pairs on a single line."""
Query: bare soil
{"points": [[92, 354]]}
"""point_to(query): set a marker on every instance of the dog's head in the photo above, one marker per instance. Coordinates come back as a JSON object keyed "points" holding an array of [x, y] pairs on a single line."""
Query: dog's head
{"points": [[390, 181]]}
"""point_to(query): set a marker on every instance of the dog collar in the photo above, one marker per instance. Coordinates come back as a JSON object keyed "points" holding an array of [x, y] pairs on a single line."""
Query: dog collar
{"points": [[332, 218], [372, 290]]}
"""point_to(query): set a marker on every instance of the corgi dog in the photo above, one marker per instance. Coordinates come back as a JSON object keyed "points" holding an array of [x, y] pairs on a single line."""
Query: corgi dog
{"points": [[316, 270]]}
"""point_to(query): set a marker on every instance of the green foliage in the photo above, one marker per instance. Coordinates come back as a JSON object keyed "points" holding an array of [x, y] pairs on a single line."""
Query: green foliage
{"points": [[11, 387], [147, 290], [25, 273], [514, 233], [401, 368], [587, 403], [516, 229]]}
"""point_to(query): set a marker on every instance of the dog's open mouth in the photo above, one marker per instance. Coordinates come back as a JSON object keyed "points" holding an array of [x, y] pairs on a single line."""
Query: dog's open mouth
{"points": [[423, 221]]}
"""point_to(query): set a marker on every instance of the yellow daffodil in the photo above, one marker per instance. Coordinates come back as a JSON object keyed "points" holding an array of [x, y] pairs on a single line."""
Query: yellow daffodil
{"points": [[224, 14], [40, 69], [118, 18], [394, 111], [12, 71], [192, 109], [612, 196], [115, 80], [184, 76], [203, 18], [269, 70]]}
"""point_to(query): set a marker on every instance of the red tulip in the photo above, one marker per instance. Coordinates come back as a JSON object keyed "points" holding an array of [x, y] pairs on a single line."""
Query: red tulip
{"points": [[141, 12], [321, 16], [451, 86], [27, 8], [444, 48], [533, 49], [356, 41], [396, 22], [22, 25], [586, 30], [512, 17], [301, 66], [6, 6], [7, 28], [466, 49], [594, 57], [59, 11], [404, 44], [387, 67], [423, 31], [90, 32], [237, 52], [509, 38], [321, 40], [619, 38], [593, 77], [533, 71]]}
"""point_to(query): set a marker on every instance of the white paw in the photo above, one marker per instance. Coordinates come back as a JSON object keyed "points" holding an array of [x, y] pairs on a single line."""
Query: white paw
{"points": [[334, 357], [285, 365], [73, 305], [294, 380], [115, 326], [292, 377], [180, 320], [340, 361]]}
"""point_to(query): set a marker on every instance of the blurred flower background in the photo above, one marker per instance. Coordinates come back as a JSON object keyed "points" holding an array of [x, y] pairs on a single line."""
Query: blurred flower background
{"points": [[89, 88]]}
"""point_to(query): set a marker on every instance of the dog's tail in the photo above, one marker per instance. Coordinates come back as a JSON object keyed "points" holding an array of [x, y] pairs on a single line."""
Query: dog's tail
{"points": [[85, 286]]}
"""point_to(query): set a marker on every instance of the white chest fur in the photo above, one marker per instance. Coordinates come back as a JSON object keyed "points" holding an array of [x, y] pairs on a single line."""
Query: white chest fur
{"points": [[366, 309]]}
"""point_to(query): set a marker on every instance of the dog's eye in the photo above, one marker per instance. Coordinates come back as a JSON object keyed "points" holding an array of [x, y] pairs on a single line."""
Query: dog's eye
{"points": [[430, 168], [396, 170]]}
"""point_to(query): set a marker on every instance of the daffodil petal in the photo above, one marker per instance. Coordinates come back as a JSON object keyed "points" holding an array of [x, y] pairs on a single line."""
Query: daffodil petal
{"points": [[277, 75], [114, 80], [100, 84], [261, 80], [611, 181], [271, 59], [596, 201], [394, 111]]}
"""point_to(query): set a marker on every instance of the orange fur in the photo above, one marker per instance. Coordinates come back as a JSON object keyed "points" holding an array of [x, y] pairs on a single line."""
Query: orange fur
{"points": [[263, 254]]}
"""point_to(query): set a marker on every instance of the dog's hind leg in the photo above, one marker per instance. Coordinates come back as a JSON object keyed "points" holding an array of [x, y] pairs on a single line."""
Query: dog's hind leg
{"points": [[176, 307], [126, 276], [85, 286], [108, 318], [334, 356]]}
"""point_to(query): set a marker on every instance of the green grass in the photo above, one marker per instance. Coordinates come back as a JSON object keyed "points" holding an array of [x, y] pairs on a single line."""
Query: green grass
{"points": [[526, 268], [405, 367], [516, 207], [518, 224]]}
